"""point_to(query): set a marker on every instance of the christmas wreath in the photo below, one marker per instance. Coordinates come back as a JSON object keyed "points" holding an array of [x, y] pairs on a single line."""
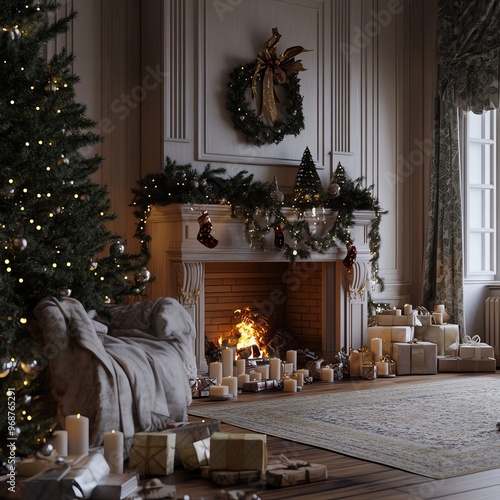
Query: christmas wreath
{"points": [[263, 76]]}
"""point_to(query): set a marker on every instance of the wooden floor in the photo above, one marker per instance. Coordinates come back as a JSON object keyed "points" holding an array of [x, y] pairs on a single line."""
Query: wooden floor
{"points": [[348, 478]]}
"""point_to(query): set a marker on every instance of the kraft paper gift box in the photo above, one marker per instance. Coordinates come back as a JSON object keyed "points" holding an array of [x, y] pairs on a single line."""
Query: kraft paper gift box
{"points": [[230, 477], [446, 337], [416, 358], [295, 472], [189, 432], [391, 320], [256, 385], [389, 334], [76, 478], [475, 351], [238, 451], [196, 454], [153, 453], [457, 364], [200, 386]]}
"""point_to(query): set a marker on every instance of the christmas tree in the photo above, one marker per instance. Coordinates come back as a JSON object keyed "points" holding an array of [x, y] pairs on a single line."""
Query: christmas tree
{"points": [[307, 191], [53, 218]]}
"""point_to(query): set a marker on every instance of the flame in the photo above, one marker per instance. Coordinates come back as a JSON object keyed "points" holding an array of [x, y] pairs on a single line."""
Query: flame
{"points": [[220, 341], [251, 330]]}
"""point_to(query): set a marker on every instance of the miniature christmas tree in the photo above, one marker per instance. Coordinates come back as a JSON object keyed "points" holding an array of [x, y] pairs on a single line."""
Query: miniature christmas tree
{"points": [[53, 234], [307, 191]]}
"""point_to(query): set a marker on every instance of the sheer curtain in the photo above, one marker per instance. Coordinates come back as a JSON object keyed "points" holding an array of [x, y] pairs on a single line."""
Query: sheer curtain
{"points": [[468, 48]]}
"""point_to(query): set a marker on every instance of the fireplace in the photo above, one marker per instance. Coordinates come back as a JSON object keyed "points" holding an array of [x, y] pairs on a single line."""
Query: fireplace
{"points": [[189, 271]]}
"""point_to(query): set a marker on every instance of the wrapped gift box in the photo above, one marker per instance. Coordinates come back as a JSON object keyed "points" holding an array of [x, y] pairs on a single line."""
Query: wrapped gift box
{"points": [[196, 454], [153, 453], [457, 364], [392, 320], [446, 337], [238, 451], [188, 433], [256, 386], [295, 472], [45, 485], [416, 358], [230, 477], [475, 351], [31, 466], [76, 478], [200, 386], [389, 334]]}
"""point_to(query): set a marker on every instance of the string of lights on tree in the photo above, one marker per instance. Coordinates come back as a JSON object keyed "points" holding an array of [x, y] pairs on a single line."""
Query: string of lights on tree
{"points": [[54, 236], [264, 209]]}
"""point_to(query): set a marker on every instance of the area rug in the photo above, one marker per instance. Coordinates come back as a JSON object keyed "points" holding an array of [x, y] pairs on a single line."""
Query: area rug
{"points": [[435, 429]]}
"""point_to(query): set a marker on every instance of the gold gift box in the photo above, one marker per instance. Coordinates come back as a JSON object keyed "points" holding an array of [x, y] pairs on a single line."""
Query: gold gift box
{"points": [[152, 453], [238, 451], [417, 358]]}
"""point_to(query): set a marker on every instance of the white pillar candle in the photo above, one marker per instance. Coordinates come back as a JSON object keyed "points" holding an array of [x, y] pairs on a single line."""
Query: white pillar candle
{"points": [[232, 385], [304, 372], [255, 376], [264, 369], [382, 368], [218, 390], [291, 357], [113, 451], [286, 368], [376, 347], [243, 378], [438, 317], [327, 374], [275, 369], [240, 366], [77, 427], [289, 385], [439, 308], [398, 312], [216, 371], [299, 377], [407, 309], [227, 358], [60, 442]]}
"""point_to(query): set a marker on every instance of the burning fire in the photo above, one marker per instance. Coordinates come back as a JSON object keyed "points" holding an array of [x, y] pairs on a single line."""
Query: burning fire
{"points": [[251, 330]]}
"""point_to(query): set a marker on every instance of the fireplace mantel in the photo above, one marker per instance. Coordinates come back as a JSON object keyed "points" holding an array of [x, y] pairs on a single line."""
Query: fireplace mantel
{"points": [[178, 264]]}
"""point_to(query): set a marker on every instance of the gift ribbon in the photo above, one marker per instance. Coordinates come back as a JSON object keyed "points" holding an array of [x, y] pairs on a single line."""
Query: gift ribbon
{"points": [[273, 69], [476, 339], [293, 464]]}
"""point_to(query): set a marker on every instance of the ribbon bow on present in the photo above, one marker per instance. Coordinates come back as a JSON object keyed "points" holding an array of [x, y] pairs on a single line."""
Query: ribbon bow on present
{"points": [[476, 339], [293, 464], [273, 69]]}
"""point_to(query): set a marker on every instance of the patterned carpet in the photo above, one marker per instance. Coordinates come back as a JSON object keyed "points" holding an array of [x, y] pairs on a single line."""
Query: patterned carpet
{"points": [[435, 429]]}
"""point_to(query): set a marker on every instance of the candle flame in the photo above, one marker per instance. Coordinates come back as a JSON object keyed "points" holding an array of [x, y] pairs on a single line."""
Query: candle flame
{"points": [[78, 416]]}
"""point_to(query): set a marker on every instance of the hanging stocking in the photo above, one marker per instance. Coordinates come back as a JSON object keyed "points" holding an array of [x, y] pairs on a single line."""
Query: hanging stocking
{"points": [[279, 238], [204, 234], [350, 258]]}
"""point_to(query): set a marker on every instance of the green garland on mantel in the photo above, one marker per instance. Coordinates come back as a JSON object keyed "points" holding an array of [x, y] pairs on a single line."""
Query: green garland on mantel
{"points": [[259, 207]]}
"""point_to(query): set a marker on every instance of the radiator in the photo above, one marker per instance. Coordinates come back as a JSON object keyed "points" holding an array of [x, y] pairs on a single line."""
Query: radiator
{"points": [[492, 323]]}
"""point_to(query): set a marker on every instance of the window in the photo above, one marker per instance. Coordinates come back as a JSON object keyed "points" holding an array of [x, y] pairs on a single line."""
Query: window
{"points": [[481, 208]]}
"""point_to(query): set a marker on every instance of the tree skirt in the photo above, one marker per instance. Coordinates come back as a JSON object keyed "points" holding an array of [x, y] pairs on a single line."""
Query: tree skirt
{"points": [[435, 429]]}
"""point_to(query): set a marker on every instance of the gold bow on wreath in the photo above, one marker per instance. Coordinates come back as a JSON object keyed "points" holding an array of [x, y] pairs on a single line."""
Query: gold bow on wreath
{"points": [[275, 70]]}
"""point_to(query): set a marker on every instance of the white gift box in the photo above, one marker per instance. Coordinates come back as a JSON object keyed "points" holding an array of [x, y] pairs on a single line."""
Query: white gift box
{"points": [[476, 351], [393, 320], [390, 334], [417, 358], [447, 337]]}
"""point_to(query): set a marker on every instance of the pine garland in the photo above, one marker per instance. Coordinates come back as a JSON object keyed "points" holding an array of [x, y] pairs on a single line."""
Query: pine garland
{"points": [[253, 202]]}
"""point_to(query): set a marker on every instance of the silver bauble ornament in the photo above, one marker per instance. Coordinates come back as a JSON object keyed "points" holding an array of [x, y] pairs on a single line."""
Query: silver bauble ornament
{"points": [[47, 449], [28, 366], [63, 161], [143, 275], [51, 87], [66, 292], [117, 249], [195, 184], [334, 190], [6, 365]]}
